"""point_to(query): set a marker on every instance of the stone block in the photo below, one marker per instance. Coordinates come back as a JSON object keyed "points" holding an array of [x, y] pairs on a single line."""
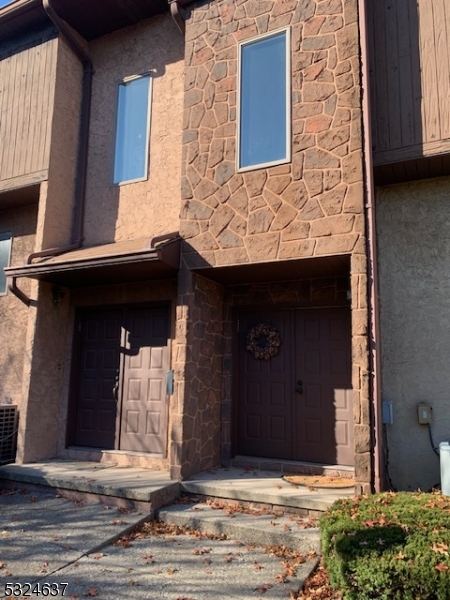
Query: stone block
{"points": [[228, 239], [332, 201], [239, 225], [317, 124], [352, 168], [260, 221], [336, 244], [315, 158], [328, 226], [348, 41], [205, 189], [313, 26], [297, 230], [255, 181], [278, 184], [296, 194], [231, 256], [285, 215], [239, 201], [262, 247], [316, 91], [329, 7], [314, 182], [220, 219], [333, 138], [224, 172], [296, 249], [311, 211], [318, 42]]}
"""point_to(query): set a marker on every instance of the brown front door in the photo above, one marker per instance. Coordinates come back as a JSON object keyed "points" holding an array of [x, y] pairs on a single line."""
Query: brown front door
{"points": [[297, 405], [121, 395]]}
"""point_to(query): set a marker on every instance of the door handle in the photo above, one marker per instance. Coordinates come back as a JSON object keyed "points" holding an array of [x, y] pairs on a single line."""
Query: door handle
{"points": [[115, 389], [299, 387]]}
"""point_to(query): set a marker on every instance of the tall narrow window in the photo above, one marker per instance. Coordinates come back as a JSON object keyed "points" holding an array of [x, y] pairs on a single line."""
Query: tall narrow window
{"points": [[132, 130], [264, 101], [5, 253]]}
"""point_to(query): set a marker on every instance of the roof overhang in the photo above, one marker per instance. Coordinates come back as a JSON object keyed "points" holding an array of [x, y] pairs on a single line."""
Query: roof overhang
{"points": [[121, 262], [284, 270], [90, 19]]}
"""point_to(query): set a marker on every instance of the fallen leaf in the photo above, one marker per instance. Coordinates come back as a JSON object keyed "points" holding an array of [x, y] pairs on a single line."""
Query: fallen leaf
{"points": [[441, 567], [92, 592]]}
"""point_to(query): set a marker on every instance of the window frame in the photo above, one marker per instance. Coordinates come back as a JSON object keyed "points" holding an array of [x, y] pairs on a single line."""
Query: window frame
{"points": [[288, 153], [124, 81], [6, 235]]}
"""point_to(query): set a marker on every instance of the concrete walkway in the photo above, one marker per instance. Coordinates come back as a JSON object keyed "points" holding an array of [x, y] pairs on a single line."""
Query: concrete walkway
{"points": [[49, 539]]}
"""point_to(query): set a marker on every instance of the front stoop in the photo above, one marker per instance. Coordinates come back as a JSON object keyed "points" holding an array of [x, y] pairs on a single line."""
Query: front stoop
{"points": [[258, 528], [124, 487], [263, 488]]}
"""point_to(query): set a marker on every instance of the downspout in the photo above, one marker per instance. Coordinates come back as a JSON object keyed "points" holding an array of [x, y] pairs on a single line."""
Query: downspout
{"points": [[372, 264], [177, 16], [80, 184]]}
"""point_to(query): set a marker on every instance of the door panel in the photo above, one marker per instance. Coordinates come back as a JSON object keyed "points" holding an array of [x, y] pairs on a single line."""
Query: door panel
{"points": [[126, 350], [144, 407], [297, 405], [265, 389], [100, 359]]}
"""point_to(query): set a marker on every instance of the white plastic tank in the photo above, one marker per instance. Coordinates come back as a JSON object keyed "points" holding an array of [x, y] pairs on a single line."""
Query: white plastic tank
{"points": [[444, 451]]}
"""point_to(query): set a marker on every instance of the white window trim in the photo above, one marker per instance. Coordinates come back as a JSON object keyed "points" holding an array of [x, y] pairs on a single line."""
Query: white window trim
{"points": [[7, 235], [147, 141], [288, 157]]}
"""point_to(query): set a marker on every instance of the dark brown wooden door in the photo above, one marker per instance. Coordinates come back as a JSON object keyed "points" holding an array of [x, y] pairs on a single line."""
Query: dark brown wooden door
{"points": [[121, 400], [99, 365], [297, 405]]}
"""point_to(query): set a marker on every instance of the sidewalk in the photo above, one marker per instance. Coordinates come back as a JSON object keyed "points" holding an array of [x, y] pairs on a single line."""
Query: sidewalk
{"points": [[48, 539]]}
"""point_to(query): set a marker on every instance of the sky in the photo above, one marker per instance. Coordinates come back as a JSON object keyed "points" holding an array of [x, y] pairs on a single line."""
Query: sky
{"points": [[4, 2]]}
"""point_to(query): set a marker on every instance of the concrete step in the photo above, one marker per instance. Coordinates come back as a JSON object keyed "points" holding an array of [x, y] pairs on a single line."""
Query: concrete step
{"points": [[262, 487], [119, 486], [258, 527]]}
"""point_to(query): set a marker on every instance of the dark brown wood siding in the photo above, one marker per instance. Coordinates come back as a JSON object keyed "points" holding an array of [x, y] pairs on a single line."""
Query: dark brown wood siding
{"points": [[410, 78], [27, 79]]}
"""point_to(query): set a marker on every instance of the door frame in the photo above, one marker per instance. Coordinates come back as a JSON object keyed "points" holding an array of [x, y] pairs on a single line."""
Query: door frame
{"points": [[236, 366], [75, 363]]}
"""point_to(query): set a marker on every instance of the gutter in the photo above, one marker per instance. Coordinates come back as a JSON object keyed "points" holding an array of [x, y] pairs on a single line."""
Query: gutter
{"points": [[372, 263], [85, 116], [177, 16]]}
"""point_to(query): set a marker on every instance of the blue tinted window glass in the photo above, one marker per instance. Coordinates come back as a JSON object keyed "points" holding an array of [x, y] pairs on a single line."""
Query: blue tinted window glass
{"points": [[5, 251], [132, 130], [263, 101]]}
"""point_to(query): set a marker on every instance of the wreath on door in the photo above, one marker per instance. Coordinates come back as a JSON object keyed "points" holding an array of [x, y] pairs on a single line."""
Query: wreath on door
{"points": [[263, 341]]}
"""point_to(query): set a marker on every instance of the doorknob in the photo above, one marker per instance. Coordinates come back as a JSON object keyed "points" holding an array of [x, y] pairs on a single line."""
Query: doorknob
{"points": [[116, 387], [299, 387]]}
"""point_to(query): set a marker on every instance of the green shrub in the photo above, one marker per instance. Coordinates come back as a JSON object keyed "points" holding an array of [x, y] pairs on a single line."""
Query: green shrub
{"points": [[391, 546]]}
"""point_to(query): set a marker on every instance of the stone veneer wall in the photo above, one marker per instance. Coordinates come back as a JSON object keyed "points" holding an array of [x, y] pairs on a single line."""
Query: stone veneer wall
{"points": [[195, 429], [312, 206], [309, 207], [305, 292]]}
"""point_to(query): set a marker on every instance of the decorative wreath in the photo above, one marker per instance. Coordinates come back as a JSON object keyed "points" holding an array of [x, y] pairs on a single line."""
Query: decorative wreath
{"points": [[263, 341]]}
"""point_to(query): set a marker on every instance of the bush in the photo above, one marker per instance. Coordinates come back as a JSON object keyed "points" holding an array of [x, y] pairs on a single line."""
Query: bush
{"points": [[391, 546]]}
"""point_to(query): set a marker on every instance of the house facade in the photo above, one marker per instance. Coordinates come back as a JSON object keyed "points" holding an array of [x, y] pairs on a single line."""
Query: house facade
{"points": [[185, 232]]}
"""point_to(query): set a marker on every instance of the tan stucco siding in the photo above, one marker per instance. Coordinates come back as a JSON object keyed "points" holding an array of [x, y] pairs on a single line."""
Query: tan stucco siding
{"points": [[152, 207], [414, 257], [14, 314]]}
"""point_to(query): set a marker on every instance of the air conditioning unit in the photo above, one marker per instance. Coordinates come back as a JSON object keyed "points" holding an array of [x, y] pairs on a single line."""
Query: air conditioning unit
{"points": [[8, 433]]}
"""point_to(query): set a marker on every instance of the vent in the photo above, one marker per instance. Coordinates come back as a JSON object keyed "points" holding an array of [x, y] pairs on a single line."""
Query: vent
{"points": [[8, 433]]}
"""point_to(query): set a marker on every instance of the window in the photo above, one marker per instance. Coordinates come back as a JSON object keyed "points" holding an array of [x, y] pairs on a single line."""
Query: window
{"points": [[264, 101], [132, 130], [5, 253]]}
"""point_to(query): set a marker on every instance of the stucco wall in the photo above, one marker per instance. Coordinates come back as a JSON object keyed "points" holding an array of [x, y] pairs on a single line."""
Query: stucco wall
{"points": [[56, 206], [413, 224], [152, 207], [14, 314]]}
